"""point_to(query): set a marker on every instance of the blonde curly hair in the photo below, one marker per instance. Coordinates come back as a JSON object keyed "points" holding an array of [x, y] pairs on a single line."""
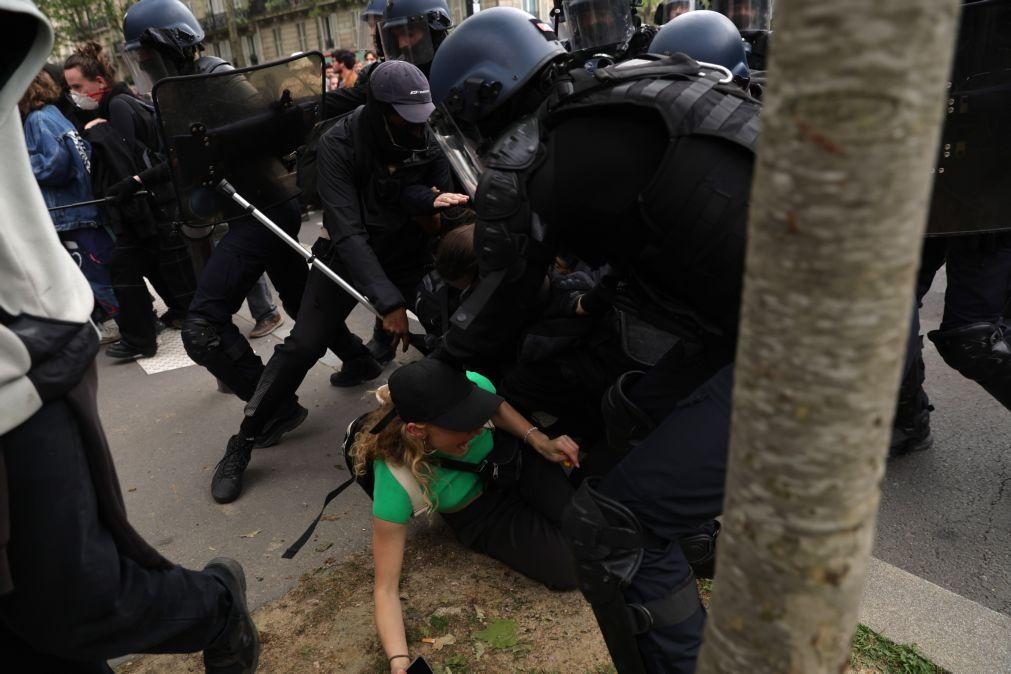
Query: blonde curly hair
{"points": [[394, 446]]}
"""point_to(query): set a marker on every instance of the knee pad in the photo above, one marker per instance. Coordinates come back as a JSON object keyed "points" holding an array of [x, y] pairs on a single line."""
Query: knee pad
{"points": [[625, 425], [200, 339], [979, 352], [608, 542], [700, 551]]}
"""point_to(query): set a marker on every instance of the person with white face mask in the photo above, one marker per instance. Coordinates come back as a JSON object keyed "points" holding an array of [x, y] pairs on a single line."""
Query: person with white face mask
{"points": [[146, 244]]}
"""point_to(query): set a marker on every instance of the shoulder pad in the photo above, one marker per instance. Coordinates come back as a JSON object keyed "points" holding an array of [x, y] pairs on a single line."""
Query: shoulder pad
{"points": [[212, 64], [517, 147]]}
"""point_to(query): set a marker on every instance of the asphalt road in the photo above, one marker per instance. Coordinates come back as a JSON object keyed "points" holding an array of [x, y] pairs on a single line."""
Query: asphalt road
{"points": [[945, 514]]}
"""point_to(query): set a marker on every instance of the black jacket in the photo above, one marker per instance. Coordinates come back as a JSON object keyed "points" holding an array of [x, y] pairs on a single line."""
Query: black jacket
{"points": [[369, 212]]}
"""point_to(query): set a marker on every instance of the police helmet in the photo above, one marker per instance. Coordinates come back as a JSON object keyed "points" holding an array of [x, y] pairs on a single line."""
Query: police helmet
{"points": [[161, 36], [488, 59], [373, 13], [705, 36], [747, 15], [598, 25], [411, 30]]}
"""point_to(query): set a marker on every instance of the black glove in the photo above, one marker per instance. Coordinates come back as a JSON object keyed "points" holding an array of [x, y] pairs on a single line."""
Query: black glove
{"points": [[123, 190]]}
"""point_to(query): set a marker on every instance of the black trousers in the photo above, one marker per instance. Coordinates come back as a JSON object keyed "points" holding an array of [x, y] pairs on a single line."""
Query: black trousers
{"points": [[321, 322], [673, 481], [241, 257], [165, 261], [520, 525], [77, 600], [978, 268]]}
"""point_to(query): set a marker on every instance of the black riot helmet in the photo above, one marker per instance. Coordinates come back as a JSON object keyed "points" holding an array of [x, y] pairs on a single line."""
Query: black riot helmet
{"points": [[411, 30], [707, 37], [598, 25], [161, 39], [485, 65], [670, 9]]}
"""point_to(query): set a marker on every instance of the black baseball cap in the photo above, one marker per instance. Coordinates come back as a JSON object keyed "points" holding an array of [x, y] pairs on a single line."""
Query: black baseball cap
{"points": [[432, 392], [404, 86]]}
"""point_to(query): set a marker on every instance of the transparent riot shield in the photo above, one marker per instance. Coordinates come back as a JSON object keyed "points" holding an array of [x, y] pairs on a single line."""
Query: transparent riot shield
{"points": [[240, 125], [747, 15], [232, 138], [972, 181]]}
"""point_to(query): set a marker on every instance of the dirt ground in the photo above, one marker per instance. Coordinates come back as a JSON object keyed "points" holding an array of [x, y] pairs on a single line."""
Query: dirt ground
{"points": [[482, 616], [465, 613]]}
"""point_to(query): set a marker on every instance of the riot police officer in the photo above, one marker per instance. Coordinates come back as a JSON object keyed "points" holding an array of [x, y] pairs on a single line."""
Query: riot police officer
{"points": [[674, 144], [163, 38]]}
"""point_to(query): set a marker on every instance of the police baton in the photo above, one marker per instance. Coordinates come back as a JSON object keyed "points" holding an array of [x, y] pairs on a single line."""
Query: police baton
{"points": [[95, 202], [313, 261]]}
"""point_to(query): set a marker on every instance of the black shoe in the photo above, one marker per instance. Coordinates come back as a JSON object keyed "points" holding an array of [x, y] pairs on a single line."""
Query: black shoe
{"points": [[288, 420], [911, 437], [123, 350], [357, 371], [237, 649], [226, 485]]}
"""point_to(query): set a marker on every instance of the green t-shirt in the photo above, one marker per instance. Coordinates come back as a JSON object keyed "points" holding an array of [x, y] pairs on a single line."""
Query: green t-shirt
{"points": [[449, 488]]}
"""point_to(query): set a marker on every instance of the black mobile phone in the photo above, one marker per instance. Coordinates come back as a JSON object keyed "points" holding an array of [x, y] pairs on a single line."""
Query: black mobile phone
{"points": [[419, 666]]}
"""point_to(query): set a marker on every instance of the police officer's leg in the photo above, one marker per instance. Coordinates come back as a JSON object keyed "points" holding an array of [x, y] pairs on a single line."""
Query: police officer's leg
{"points": [[173, 277], [911, 427], [623, 532], [971, 338], [130, 257], [209, 336], [286, 268]]}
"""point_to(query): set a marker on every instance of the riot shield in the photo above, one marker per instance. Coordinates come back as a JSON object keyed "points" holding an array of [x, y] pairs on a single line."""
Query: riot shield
{"points": [[972, 180], [242, 126]]}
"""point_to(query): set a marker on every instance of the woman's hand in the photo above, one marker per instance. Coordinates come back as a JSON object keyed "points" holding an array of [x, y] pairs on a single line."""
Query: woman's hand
{"points": [[562, 449], [399, 665]]}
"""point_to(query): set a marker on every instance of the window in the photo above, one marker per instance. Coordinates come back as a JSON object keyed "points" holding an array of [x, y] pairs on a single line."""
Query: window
{"points": [[275, 32], [303, 42], [530, 6], [224, 50], [328, 22], [252, 53]]}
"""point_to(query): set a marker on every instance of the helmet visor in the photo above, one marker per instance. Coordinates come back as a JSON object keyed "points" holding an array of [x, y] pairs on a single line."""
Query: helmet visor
{"points": [[407, 39], [675, 8], [459, 149], [594, 24], [148, 66], [746, 14]]}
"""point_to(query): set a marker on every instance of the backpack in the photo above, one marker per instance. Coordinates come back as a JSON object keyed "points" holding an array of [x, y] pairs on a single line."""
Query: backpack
{"points": [[307, 162], [113, 159]]}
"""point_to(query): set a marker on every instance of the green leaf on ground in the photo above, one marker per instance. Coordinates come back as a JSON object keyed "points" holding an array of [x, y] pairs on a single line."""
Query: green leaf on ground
{"points": [[499, 633]]}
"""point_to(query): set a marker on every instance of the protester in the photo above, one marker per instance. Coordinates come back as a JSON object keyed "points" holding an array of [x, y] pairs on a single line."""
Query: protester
{"points": [[78, 585], [344, 62], [61, 162], [432, 413]]}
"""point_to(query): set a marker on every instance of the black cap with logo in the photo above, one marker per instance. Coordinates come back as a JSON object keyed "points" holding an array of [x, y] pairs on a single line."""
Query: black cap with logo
{"points": [[403, 86]]}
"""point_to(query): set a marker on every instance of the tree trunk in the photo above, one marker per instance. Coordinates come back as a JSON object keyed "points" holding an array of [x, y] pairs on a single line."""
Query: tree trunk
{"points": [[850, 130]]}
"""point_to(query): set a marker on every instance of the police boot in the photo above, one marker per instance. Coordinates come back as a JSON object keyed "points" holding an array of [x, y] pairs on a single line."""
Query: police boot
{"points": [[981, 353], [237, 649], [911, 427], [287, 419], [226, 485], [357, 371], [381, 345]]}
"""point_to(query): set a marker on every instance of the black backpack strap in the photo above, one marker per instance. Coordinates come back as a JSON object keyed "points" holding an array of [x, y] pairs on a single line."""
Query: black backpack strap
{"points": [[304, 538]]}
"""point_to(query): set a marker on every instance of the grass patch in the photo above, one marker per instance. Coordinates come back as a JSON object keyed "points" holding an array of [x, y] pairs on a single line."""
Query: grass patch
{"points": [[871, 650]]}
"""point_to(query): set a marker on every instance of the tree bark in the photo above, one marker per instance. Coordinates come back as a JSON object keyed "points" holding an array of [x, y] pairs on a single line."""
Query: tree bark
{"points": [[842, 184]]}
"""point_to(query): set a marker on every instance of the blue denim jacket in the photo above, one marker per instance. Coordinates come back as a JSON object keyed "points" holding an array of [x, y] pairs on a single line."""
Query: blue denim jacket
{"points": [[61, 162]]}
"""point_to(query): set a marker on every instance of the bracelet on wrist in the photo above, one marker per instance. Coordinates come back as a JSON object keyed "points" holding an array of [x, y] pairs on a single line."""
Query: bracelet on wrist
{"points": [[526, 436], [394, 657]]}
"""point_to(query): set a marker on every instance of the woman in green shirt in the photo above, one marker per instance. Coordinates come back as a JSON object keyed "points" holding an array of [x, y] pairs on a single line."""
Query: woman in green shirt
{"points": [[431, 411]]}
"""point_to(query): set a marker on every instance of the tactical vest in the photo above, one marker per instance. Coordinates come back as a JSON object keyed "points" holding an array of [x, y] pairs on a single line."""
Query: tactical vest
{"points": [[690, 103]]}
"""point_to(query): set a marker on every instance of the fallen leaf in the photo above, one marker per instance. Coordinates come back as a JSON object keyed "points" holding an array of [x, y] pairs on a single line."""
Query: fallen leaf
{"points": [[324, 547], [251, 534], [440, 642], [499, 633], [132, 489], [479, 613], [478, 650]]}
